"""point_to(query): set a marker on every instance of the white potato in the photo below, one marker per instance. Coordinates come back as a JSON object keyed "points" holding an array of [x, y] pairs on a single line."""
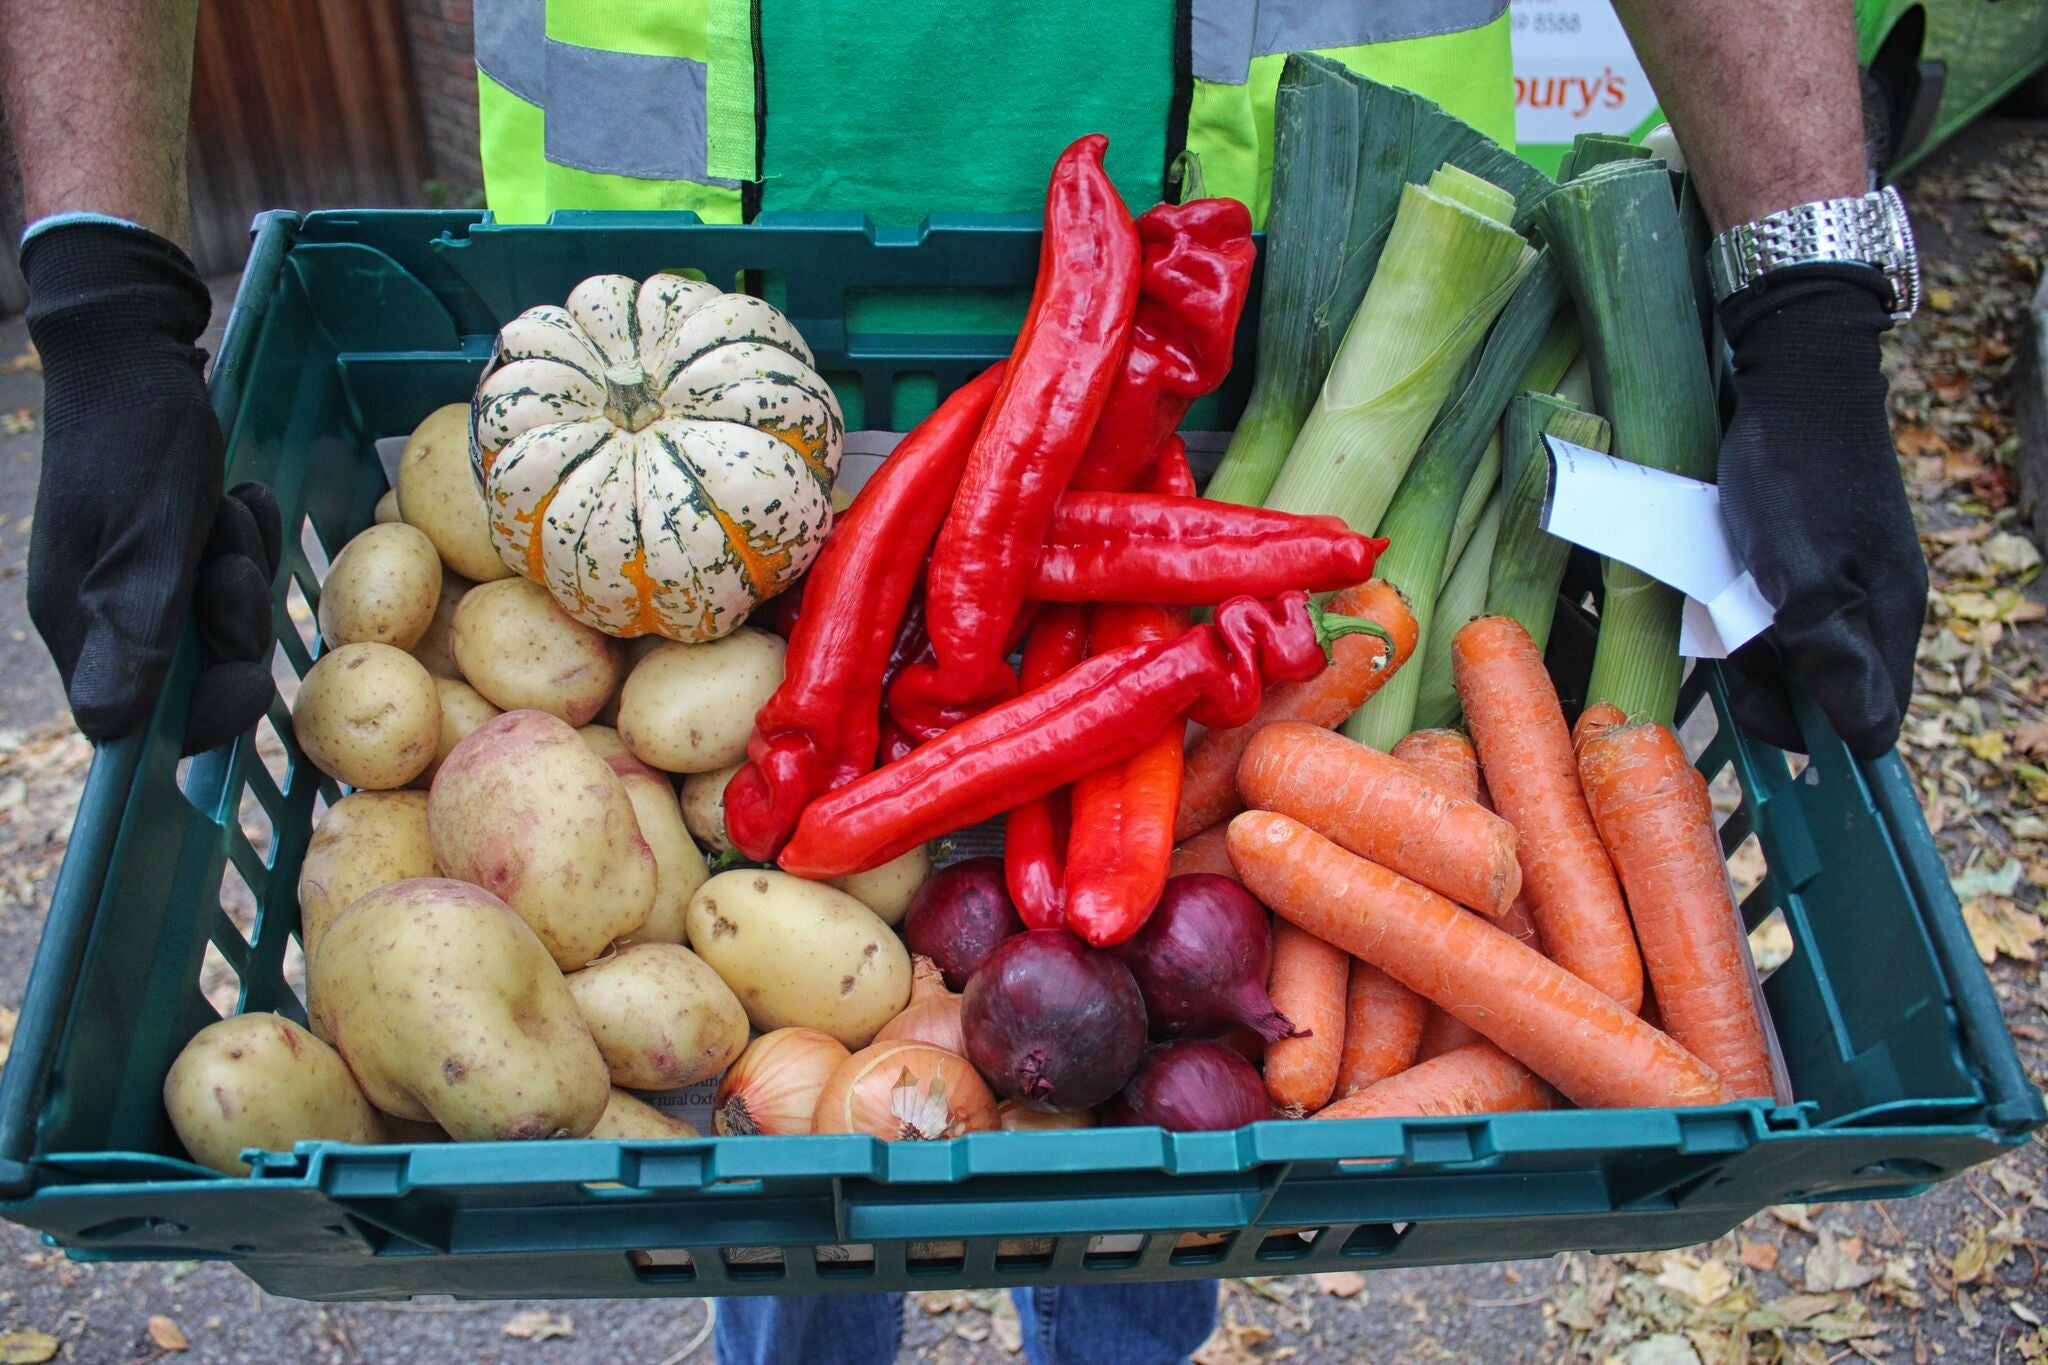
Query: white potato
{"points": [[690, 708], [435, 649], [463, 708], [387, 508], [678, 863], [259, 1080], [525, 810], [368, 715], [800, 953], [704, 806], [449, 1010], [630, 1117], [887, 889], [520, 650], [437, 492], [662, 1019], [382, 587], [367, 840]]}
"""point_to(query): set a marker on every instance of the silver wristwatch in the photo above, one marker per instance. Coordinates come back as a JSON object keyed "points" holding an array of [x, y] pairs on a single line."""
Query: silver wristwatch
{"points": [[1869, 230]]}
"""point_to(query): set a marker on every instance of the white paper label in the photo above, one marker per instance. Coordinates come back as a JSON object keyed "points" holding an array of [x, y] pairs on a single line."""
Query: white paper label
{"points": [[1575, 72], [1666, 525]]}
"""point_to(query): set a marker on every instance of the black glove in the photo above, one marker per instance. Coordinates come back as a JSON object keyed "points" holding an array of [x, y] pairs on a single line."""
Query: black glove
{"points": [[1811, 488], [129, 515]]}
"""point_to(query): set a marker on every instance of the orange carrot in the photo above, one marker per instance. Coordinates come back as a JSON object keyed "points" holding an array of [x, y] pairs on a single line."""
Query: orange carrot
{"points": [[1596, 719], [1444, 1033], [1204, 852], [1476, 1079], [1382, 1025], [1307, 985], [1380, 808], [1208, 789], [1654, 815], [1577, 1038], [1445, 757], [1526, 754]]}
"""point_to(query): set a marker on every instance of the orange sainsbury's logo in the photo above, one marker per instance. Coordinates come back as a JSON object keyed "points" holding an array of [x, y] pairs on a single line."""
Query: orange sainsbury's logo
{"points": [[1575, 95]]}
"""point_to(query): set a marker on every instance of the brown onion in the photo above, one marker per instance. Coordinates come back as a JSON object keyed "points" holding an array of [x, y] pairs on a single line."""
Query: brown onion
{"points": [[905, 1092], [1015, 1116], [933, 1014], [773, 1087]]}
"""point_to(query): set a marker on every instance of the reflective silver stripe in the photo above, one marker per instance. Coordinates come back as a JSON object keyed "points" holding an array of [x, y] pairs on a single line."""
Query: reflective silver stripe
{"points": [[626, 113], [508, 44], [1227, 34]]}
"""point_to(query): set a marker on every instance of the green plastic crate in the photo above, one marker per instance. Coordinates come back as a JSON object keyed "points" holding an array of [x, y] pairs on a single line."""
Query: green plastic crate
{"points": [[352, 326]]}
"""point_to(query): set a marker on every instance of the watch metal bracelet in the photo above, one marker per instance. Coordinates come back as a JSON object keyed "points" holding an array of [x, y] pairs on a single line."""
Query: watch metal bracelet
{"points": [[1870, 229]]}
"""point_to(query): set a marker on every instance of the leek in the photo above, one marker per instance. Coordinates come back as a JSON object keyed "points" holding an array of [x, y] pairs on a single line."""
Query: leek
{"points": [[1462, 598], [1594, 149], [1446, 274], [1529, 562], [1343, 149], [1555, 357], [1418, 524], [1620, 245]]}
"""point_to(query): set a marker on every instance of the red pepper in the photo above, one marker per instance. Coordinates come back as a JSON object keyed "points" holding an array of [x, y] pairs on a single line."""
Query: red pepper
{"points": [[1066, 359], [1098, 713], [1122, 836], [1147, 547], [1169, 473], [916, 703], [1191, 291], [821, 727], [1035, 835]]}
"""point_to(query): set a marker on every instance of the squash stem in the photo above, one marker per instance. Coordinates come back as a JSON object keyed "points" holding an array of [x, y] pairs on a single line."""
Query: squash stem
{"points": [[629, 398]]}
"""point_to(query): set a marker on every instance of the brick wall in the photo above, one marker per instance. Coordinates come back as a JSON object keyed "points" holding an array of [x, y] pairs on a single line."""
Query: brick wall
{"points": [[444, 65]]}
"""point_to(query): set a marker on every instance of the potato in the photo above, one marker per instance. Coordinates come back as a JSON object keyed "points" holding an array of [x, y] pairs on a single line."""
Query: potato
{"points": [[435, 648], [259, 1080], [449, 1010], [524, 809], [662, 1019], [382, 587], [800, 953], [463, 708], [367, 840], [690, 708], [631, 652], [887, 889], [628, 1117], [521, 651], [704, 806], [387, 508], [368, 715], [678, 864], [437, 492]]}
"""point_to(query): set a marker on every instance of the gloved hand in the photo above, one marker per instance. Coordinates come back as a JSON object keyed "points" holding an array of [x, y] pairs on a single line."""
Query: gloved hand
{"points": [[129, 515], [1815, 505]]}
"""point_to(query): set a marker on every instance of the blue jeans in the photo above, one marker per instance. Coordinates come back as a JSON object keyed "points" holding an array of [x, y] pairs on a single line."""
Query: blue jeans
{"points": [[1129, 1324]]}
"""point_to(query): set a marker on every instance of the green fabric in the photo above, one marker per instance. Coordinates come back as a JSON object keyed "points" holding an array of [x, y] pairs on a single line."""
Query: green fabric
{"points": [[670, 28], [1470, 74], [899, 110], [731, 153], [509, 134]]}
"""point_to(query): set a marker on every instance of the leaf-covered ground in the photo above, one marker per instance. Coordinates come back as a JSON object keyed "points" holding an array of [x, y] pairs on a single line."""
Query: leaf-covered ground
{"points": [[1953, 1276]]}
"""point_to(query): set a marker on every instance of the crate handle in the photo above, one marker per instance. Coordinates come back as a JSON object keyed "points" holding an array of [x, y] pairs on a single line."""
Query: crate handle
{"points": [[876, 1213]]}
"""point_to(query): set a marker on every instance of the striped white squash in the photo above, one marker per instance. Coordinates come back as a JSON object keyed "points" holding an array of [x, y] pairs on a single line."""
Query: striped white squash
{"points": [[658, 455]]}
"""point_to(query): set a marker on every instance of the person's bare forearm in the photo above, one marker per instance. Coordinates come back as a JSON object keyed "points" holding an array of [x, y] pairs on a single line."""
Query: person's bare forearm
{"points": [[1764, 96], [97, 97]]}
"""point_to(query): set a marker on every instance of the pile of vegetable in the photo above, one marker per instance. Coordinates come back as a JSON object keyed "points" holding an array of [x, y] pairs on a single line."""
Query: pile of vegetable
{"points": [[1251, 866]]}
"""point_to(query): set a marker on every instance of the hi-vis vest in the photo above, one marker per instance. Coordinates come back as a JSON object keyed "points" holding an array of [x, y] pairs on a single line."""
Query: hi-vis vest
{"points": [[900, 108]]}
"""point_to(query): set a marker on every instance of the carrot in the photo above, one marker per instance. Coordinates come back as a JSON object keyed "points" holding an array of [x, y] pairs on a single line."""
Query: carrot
{"points": [[1445, 757], [1475, 1079], [1577, 1038], [1208, 789], [1596, 719], [1654, 815], [1526, 754], [1307, 985], [1443, 1033], [1382, 1024], [1380, 808], [1204, 852]]}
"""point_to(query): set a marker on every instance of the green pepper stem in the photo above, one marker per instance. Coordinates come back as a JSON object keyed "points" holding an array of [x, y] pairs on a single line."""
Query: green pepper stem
{"points": [[1331, 628]]}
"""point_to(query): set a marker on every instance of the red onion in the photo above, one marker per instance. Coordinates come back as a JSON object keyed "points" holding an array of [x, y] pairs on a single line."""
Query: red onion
{"points": [[959, 916], [1051, 1020], [1201, 961], [1191, 1085]]}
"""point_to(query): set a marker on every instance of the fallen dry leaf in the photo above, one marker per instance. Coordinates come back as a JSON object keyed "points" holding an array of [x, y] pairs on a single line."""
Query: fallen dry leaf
{"points": [[1703, 1284], [166, 1333], [537, 1324], [1341, 1284], [1835, 1264], [1989, 746], [1999, 926], [28, 1348], [1759, 1255]]}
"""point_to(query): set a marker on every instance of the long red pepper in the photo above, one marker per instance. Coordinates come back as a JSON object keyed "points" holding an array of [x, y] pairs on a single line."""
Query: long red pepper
{"points": [[820, 729], [1197, 267], [1122, 837], [1169, 472], [1066, 358], [1035, 835], [1098, 713], [1140, 547]]}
